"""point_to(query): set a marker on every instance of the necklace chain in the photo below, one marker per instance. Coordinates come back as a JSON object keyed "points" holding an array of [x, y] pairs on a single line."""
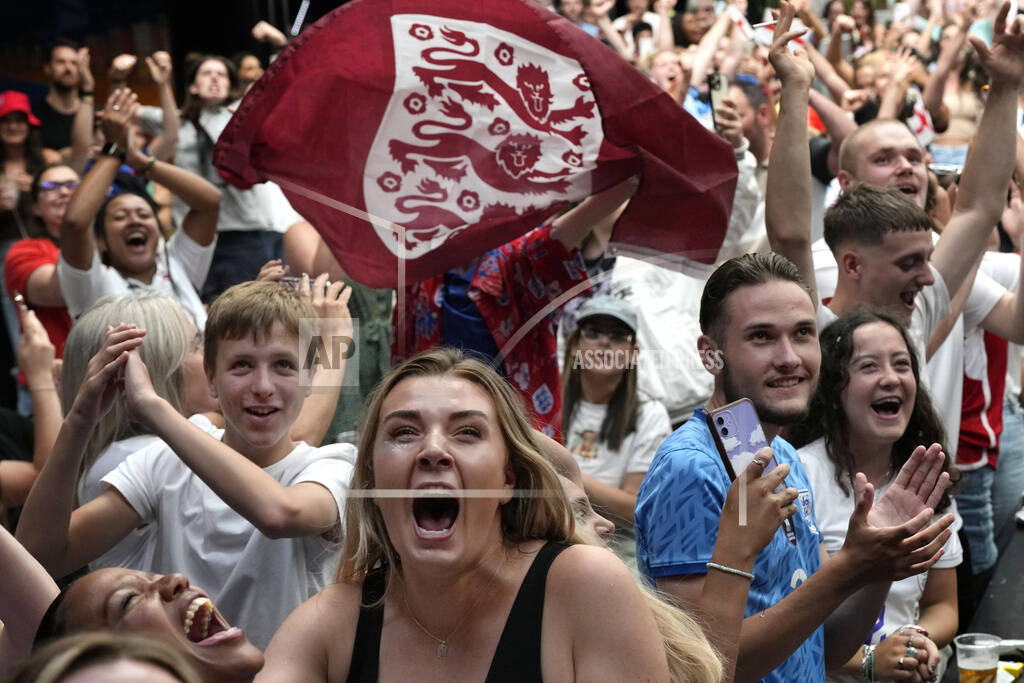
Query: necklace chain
{"points": [[442, 643]]}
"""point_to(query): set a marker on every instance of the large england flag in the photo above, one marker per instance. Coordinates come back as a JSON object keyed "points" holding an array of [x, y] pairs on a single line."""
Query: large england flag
{"points": [[417, 135]]}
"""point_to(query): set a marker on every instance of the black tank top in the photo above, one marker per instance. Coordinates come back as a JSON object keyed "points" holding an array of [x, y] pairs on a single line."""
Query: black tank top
{"points": [[517, 657]]}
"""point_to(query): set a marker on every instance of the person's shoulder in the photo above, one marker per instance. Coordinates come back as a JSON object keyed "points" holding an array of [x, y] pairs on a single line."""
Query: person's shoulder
{"points": [[587, 573]]}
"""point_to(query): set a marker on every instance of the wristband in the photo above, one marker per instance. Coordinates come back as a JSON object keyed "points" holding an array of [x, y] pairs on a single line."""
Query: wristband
{"points": [[111, 149], [915, 628], [85, 93], [867, 663], [730, 570], [148, 168]]}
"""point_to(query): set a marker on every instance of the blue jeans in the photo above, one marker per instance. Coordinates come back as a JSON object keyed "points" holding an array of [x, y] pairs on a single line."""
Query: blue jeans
{"points": [[974, 500], [1009, 484], [238, 257]]}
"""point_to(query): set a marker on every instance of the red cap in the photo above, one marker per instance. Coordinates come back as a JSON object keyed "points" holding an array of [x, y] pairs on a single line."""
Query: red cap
{"points": [[12, 101]]}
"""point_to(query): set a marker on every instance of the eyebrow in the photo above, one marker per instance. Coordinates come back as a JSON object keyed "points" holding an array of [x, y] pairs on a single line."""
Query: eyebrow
{"points": [[416, 415]]}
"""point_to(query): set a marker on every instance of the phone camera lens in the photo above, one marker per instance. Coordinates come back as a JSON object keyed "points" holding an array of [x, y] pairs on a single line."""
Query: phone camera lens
{"points": [[721, 421], [725, 432]]}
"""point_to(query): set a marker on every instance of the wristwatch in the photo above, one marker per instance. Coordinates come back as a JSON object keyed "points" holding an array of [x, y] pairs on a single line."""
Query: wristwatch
{"points": [[111, 149]]}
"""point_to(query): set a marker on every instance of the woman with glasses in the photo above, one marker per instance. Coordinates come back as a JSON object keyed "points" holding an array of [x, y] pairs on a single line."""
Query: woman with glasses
{"points": [[30, 267], [610, 429]]}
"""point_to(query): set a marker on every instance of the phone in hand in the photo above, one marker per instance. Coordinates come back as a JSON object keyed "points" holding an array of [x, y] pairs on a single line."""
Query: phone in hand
{"points": [[738, 435], [718, 90]]}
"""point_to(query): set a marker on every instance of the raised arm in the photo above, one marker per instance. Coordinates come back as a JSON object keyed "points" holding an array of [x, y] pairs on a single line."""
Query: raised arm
{"points": [[666, 40], [277, 511], [596, 213], [843, 25], [600, 9], [61, 538], [896, 90], [788, 192], [26, 591], [199, 194], [35, 358], [82, 126], [837, 124], [77, 241], [162, 146], [990, 161], [827, 74], [935, 88], [331, 306], [706, 49]]}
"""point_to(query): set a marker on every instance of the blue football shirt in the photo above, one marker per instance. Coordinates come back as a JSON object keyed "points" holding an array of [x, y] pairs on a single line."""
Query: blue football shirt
{"points": [[677, 512]]}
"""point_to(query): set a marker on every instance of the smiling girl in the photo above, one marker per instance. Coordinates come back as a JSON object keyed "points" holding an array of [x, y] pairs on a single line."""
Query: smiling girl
{"points": [[869, 415]]}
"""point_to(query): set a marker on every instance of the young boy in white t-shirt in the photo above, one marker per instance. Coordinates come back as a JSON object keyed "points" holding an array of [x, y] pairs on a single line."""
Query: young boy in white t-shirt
{"points": [[254, 517]]}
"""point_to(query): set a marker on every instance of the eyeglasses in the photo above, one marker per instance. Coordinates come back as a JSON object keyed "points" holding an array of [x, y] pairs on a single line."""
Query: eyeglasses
{"points": [[47, 186], [591, 333]]}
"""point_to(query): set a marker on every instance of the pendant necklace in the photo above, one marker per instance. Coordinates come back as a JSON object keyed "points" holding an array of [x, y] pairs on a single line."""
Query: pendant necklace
{"points": [[442, 643]]}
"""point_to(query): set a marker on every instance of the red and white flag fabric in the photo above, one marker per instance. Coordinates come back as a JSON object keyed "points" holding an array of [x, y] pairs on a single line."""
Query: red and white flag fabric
{"points": [[432, 132]]}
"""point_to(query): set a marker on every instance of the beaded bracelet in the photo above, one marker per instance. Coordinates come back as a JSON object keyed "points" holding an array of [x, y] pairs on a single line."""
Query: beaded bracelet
{"points": [[730, 570], [867, 663]]}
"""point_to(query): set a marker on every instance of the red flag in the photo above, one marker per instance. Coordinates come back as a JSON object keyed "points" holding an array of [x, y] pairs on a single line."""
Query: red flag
{"points": [[455, 126]]}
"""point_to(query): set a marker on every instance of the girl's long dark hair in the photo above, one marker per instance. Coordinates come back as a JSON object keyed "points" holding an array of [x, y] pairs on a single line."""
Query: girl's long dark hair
{"points": [[826, 417], [623, 408]]}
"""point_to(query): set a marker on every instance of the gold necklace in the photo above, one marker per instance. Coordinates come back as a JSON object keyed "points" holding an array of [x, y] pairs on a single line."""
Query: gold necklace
{"points": [[442, 643]]}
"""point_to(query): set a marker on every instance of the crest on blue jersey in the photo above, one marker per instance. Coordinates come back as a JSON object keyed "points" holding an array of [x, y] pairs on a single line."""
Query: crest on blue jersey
{"points": [[806, 505]]}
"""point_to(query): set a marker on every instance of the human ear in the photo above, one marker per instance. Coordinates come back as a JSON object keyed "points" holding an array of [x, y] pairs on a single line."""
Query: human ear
{"points": [[850, 263], [710, 354], [845, 179], [210, 386]]}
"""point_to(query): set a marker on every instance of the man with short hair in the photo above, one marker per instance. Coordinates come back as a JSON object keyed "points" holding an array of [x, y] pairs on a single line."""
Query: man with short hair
{"points": [[804, 613], [57, 110]]}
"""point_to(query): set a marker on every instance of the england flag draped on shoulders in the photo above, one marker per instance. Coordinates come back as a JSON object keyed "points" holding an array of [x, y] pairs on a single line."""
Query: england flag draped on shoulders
{"points": [[430, 132]]}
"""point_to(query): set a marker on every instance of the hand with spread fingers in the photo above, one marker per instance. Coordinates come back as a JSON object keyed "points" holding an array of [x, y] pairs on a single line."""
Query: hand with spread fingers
{"points": [[1004, 61], [896, 537]]}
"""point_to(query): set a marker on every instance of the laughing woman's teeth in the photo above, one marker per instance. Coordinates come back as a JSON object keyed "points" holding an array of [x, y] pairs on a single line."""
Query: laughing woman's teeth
{"points": [[190, 615]]}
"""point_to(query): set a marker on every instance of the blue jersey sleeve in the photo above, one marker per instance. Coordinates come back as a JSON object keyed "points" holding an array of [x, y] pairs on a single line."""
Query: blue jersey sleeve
{"points": [[679, 504]]}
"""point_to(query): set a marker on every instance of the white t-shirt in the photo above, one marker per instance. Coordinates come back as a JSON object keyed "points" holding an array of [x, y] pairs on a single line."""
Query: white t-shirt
{"points": [[832, 509], [634, 454], [181, 269], [255, 581], [135, 549]]}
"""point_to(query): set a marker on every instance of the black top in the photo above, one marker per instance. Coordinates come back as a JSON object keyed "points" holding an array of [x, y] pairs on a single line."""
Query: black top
{"points": [[56, 125], [517, 657]]}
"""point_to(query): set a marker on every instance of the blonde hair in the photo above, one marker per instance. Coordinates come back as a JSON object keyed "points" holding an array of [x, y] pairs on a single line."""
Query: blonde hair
{"points": [[691, 656], [56, 660], [252, 308], [547, 517], [163, 351], [367, 545]]}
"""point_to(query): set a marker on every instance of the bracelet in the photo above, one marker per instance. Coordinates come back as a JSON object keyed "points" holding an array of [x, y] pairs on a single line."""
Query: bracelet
{"points": [[913, 627], [867, 663], [85, 93], [148, 168], [730, 570]]}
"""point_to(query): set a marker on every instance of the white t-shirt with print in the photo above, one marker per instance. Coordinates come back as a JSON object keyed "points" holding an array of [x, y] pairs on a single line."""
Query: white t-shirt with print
{"points": [[634, 454], [833, 508], [255, 581]]}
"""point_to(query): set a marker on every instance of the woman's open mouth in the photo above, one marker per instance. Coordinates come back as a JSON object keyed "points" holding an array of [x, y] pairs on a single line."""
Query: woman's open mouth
{"points": [[202, 623], [435, 515]]}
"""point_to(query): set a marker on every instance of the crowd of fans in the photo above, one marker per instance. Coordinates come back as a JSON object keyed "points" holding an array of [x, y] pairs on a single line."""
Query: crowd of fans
{"points": [[472, 502]]}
